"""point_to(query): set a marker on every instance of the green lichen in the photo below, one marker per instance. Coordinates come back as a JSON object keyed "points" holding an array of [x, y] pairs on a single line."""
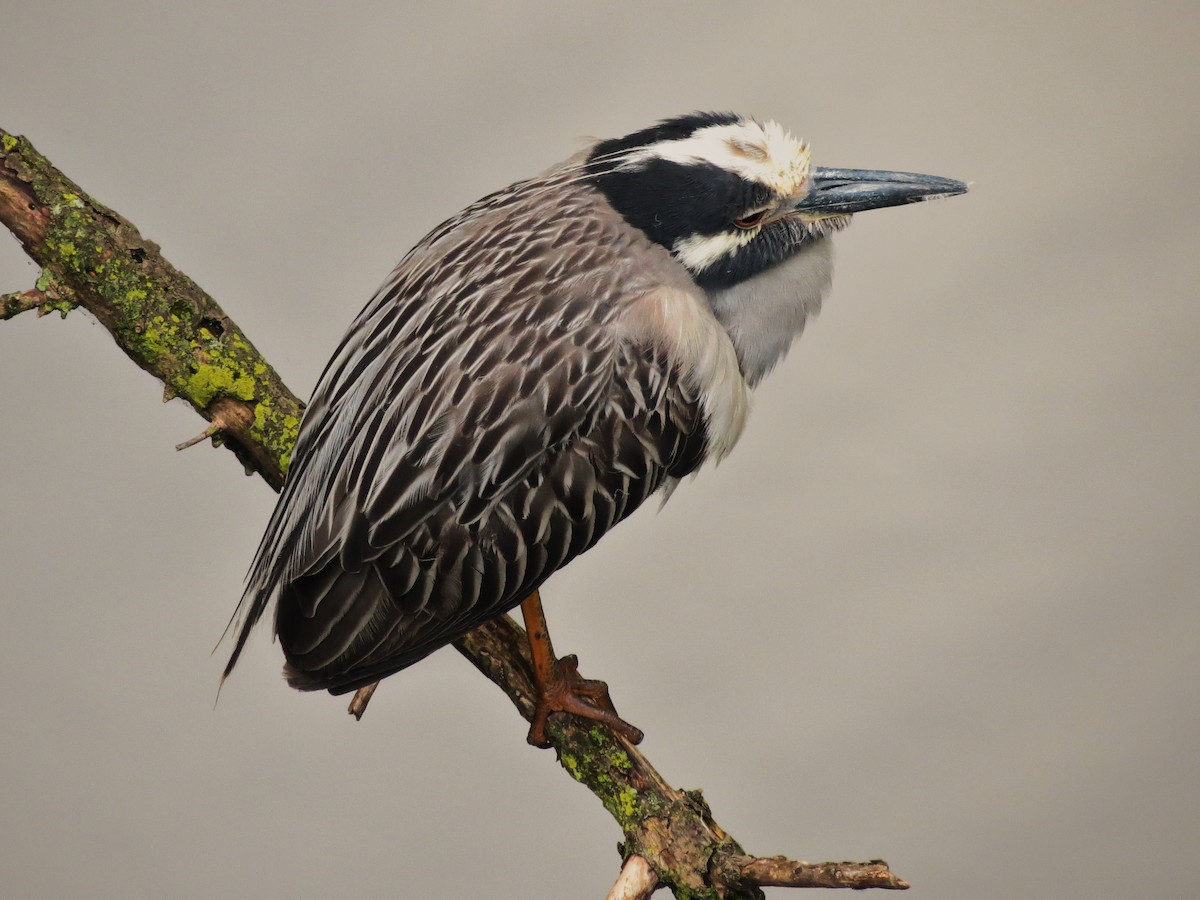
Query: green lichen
{"points": [[601, 765], [621, 803], [160, 330], [208, 382], [61, 306], [627, 805], [73, 244], [571, 764], [159, 317], [276, 430], [58, 297], [154, 340]]}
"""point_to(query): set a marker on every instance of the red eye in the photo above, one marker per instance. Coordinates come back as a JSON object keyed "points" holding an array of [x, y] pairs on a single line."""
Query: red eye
{"points": [[751, 220]]}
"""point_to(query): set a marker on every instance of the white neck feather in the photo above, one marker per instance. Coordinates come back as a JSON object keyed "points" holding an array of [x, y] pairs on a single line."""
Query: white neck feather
{"points": [[682, 324]]}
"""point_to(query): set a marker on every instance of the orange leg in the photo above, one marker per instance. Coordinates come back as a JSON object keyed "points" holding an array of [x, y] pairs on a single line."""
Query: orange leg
{"points": [[560, 686]]}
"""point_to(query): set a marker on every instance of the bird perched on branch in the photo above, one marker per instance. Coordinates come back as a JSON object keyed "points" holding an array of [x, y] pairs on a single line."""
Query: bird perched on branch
{"points": [[528, 375]]}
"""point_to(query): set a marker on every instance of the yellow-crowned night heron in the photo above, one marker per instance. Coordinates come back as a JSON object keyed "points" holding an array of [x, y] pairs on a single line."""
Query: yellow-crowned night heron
{"points": [[528, 375]]}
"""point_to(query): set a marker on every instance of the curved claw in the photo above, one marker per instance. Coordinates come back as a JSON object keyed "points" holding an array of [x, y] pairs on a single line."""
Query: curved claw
{"points": [[560, 687], [567, 691]]}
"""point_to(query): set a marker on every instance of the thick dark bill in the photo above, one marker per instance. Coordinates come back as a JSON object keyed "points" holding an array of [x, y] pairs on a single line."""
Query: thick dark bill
{"points": [[836, 192]]}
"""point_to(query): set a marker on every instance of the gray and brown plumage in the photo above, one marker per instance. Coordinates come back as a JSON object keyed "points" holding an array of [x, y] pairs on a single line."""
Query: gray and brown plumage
{"points": [[531, 372]]}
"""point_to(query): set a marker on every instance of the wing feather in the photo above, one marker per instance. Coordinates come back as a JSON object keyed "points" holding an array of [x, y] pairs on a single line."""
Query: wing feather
{"points": [[483, 421]]}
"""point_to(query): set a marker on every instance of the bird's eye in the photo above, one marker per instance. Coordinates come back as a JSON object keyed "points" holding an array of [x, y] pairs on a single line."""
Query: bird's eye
{"points": [[750, 220]]}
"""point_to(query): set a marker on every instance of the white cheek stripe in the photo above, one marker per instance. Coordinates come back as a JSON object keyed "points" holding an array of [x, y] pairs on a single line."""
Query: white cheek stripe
{"points": [[699, 251], [778, 160]]}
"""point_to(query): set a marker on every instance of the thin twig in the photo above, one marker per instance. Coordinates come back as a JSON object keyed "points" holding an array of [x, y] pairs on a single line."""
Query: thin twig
{"points": [[779, 871], [21, 301], [205, 434], [362, 697]]}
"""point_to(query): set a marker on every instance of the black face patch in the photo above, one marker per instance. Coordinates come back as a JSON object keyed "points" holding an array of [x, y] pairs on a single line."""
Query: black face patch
{"points": [[670, 201]]}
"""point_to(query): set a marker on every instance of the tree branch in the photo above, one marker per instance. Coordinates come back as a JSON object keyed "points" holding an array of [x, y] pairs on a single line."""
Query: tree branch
{"points": [[92, 257], [779, 871], [22, 301]]}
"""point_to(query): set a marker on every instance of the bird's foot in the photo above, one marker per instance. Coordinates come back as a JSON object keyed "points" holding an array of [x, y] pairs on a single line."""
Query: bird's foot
{"points": [[565, 690]]}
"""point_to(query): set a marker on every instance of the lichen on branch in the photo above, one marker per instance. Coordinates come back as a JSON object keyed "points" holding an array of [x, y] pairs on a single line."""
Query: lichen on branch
{"points": [[92, 257]]}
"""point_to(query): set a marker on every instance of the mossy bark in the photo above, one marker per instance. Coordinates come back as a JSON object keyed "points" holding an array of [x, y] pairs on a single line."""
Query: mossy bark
{"points": [[93, 258]]}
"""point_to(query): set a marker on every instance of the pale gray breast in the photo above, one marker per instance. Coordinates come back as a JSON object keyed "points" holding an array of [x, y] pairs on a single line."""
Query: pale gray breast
{"points": [[765, 314]]}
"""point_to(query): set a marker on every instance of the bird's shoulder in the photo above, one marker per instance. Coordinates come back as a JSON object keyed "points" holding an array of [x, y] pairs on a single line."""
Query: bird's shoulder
{"points": [[495, 342]]}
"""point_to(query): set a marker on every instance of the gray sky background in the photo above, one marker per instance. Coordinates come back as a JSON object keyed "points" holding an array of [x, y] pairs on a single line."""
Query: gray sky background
{"points": [[939, 606]]}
